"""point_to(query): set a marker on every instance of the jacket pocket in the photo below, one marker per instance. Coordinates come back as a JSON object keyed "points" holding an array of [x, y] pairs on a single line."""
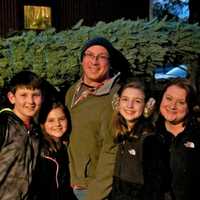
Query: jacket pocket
{"points": [[87, 168]]}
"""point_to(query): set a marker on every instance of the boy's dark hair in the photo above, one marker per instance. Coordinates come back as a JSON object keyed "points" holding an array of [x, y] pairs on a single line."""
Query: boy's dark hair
{"points": [[26, 79]]}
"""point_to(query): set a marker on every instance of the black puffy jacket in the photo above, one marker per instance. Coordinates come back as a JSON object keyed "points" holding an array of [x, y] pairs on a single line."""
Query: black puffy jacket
{"points": [[19, 150]]}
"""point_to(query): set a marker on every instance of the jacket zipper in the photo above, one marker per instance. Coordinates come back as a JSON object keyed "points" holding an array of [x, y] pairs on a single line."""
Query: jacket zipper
{"points": [[57, 168]]}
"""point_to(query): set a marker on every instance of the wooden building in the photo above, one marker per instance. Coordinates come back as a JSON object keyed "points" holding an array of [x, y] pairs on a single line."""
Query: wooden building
{"points": [[17, 15]]}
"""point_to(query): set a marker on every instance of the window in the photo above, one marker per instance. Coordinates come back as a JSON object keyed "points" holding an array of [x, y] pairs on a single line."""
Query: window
{"points": [[169, 72], [37, 17]]}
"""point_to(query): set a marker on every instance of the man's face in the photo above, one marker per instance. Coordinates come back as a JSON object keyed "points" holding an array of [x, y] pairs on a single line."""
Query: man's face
{"points": [[95, 65], [26, 102]]}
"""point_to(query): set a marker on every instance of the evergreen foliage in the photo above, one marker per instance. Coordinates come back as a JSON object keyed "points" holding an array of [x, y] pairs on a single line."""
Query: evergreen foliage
{"points": [[146, 44]]}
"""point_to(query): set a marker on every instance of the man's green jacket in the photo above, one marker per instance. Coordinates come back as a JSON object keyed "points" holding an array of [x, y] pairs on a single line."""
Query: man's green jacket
{"points": [[91, 149]]}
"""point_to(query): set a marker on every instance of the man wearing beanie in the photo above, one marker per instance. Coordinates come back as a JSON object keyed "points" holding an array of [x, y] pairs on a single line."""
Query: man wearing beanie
{"points": [[91, 148]]}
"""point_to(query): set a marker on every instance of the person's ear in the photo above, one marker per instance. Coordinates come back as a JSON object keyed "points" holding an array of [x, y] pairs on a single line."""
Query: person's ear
{"points": [[11, 97]]}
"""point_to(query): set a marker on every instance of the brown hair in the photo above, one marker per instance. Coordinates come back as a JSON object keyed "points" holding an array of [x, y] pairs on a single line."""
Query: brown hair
{"points": [[27, 79]]}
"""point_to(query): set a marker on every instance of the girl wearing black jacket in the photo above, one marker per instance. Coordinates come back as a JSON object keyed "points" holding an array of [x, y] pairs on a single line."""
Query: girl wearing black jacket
{"points": [[52, 181], [131, 129]]}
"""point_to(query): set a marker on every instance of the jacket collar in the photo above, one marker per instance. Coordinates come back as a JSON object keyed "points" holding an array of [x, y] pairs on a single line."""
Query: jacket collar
{"points": [[103, 89]]}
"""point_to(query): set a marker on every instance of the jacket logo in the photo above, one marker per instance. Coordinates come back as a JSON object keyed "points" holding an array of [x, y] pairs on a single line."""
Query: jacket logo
{"points": [[132, 152], [189, 144]]}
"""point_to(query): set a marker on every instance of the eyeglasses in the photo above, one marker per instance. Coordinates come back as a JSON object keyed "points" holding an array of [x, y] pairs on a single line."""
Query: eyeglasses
{"points": [[100, 57]]}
